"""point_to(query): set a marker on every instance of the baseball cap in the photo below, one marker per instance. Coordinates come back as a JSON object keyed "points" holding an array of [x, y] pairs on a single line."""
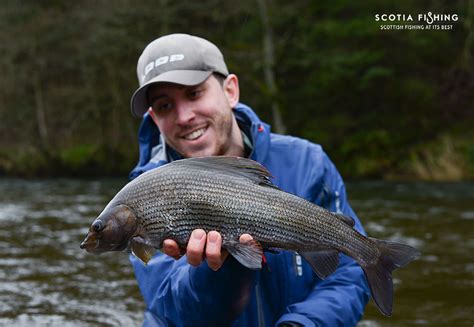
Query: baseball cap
{"points": [[176, 58]]}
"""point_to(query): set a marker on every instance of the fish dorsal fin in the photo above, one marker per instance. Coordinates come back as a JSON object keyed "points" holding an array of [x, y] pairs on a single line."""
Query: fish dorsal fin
{"points": [[234, 166], [346, 219]]}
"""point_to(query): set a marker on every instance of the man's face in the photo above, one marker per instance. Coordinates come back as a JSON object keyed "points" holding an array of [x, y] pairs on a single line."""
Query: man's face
{"points": [[198, 120]]}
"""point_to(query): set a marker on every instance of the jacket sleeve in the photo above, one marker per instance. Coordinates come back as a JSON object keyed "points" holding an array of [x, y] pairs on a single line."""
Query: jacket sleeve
{"points": [[179, 294], [340, 299]]}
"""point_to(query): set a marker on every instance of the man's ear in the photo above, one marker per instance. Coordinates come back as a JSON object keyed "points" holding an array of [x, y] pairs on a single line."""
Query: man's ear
{"points": [[231, 90]]}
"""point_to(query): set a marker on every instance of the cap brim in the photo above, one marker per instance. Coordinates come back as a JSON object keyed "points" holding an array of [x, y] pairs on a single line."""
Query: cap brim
{"points": [[139, 102]]}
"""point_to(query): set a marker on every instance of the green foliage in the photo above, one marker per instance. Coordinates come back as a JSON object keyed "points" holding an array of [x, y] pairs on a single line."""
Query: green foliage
{"points": [[26, 161], [79, 156], [445, 159]]}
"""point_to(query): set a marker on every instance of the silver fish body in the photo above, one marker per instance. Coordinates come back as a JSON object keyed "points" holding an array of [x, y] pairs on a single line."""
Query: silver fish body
{"points": [[235, 196]]}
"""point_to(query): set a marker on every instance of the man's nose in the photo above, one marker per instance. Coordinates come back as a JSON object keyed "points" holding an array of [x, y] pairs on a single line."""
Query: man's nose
{"points": [[184, 114]]}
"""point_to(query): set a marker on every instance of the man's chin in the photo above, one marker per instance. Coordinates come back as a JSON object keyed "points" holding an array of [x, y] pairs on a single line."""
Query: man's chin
{"points": [[194, 152]]}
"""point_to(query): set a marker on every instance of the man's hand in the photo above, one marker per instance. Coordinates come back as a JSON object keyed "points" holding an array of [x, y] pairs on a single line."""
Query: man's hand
{"points": [[201, 245]]}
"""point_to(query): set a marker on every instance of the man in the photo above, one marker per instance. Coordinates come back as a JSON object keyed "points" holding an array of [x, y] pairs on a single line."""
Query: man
{"points": [[190, 107]]}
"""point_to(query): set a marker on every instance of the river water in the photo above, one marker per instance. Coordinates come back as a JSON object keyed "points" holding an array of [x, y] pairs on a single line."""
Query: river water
{"points": [[46, 280]]}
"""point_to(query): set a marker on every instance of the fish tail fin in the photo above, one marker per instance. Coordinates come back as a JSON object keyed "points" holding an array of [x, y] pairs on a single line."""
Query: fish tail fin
{"points": [[393, 255]]}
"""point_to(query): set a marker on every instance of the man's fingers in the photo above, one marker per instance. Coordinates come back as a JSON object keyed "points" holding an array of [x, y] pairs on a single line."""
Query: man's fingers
{"points": [[214, 257], [245, 238], [195, 248], [171, 248], [199, 245]]}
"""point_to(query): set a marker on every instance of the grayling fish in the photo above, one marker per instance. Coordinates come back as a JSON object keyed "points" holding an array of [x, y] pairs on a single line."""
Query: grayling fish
{"points": [[235, 196]]}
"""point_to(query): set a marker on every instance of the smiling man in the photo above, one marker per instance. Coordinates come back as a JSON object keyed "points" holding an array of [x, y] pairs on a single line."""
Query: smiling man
{"points": [[190, 107], [198, 120]]}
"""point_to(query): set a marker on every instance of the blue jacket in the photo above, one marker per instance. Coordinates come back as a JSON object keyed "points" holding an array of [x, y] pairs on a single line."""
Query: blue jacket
{"points": [[286, 289]]}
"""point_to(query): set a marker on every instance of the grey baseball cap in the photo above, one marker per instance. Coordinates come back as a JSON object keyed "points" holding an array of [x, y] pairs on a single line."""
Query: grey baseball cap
{"points": [[176, 58]]}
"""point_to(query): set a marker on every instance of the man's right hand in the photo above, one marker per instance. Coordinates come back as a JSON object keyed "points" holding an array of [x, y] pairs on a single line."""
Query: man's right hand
{"points": [[202, 246]]}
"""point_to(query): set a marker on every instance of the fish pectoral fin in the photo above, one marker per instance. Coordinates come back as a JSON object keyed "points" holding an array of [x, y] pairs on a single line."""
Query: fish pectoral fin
{"points": [[141, 249], [249, 254], [323, 261]]}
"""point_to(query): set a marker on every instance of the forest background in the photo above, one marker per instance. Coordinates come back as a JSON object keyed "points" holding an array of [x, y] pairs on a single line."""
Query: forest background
{"points": [[392, 104]]}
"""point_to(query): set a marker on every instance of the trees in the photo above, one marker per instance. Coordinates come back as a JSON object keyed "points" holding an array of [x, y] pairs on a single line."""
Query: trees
{"points": [[371, 97]]}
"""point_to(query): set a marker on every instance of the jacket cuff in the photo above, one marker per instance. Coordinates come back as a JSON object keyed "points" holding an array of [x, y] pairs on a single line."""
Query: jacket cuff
{"points": [[295, 317]]}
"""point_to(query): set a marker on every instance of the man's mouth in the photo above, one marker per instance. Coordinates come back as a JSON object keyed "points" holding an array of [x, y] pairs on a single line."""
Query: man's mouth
{"points": [[195, 134]]}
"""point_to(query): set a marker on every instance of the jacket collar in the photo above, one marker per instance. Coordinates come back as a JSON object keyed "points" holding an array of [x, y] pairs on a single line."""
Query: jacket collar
{"points": [[257, 130]]}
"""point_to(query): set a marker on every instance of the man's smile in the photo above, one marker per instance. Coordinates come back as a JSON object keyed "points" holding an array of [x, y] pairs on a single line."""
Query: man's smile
{"points": [[195, 134]]}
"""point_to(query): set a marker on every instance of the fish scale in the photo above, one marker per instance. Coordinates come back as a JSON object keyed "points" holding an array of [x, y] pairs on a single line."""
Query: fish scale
{"points": [[234, 196]]}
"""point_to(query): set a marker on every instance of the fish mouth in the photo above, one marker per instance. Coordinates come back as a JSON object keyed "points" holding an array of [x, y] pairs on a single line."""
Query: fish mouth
{"points": [[92, 244]]}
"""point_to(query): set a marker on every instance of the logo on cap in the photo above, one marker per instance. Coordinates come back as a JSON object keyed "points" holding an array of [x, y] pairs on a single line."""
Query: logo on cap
{"points": [[160, 61]]}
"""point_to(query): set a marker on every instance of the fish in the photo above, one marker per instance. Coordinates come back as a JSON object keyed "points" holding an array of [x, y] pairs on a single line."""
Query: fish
{"points": [[233, 196]]}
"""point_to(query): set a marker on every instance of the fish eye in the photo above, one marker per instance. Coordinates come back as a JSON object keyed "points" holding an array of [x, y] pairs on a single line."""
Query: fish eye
{"points": [[98, 225]]}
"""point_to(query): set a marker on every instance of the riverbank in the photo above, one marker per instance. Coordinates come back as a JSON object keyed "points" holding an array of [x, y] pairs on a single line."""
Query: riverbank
{"points": [[447, 158]]}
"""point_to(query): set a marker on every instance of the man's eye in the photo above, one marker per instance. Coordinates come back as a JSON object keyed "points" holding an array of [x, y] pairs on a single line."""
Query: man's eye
{"points": [[195, 93], [158, 107]]}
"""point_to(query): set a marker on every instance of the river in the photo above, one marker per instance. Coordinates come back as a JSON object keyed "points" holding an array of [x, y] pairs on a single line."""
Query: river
{"points": [[46, 280]]}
